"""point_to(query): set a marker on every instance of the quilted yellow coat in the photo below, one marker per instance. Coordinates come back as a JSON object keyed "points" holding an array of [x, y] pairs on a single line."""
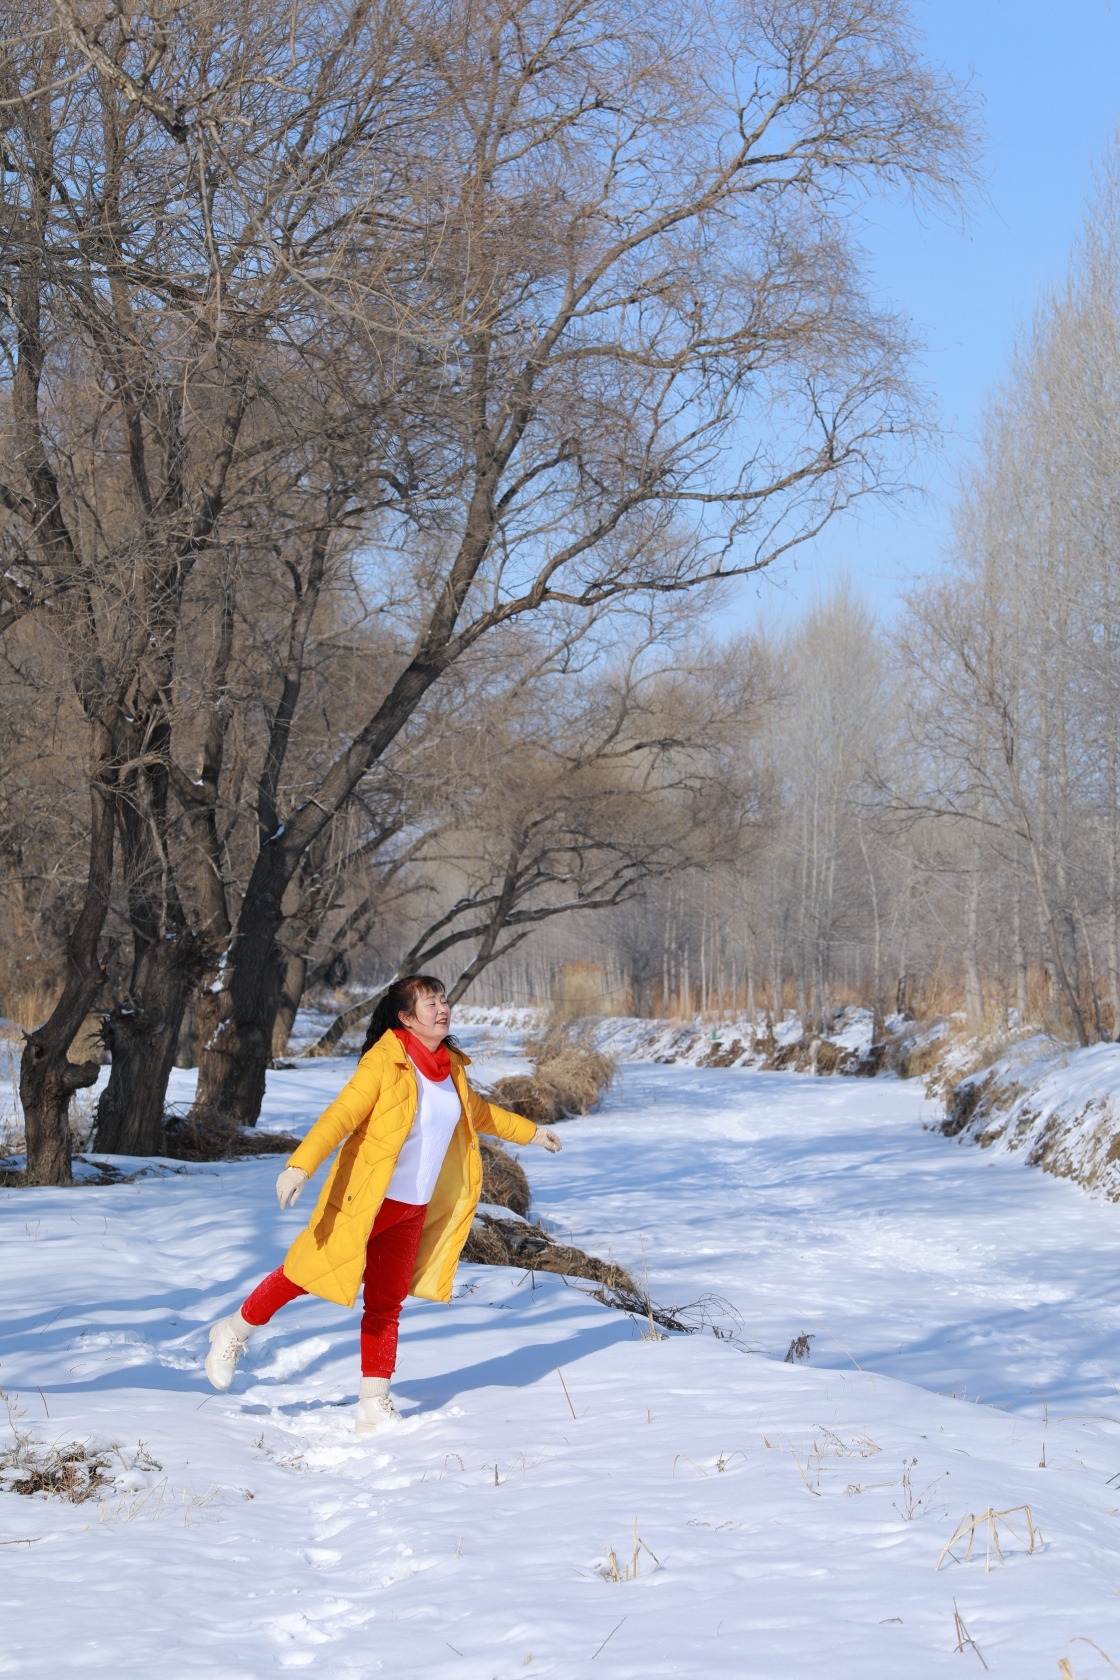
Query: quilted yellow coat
{"points": [[374, 1113]]}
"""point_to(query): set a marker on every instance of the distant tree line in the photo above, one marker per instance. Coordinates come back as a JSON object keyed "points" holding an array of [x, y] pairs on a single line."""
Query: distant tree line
{"points": [[937, 799]]}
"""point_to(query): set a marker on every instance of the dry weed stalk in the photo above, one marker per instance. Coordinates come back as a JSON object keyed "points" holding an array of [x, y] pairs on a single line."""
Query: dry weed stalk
{"points": [[968, 1525], [911, 1502], [1066, 1666], [963, 1636], [567, 1396], [827, 1443], [628, 1571]]}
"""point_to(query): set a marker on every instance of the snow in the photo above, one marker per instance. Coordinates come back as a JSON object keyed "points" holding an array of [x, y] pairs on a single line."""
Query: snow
{"points": [[1055, 1104], [964, 1315], [736, 1039]]}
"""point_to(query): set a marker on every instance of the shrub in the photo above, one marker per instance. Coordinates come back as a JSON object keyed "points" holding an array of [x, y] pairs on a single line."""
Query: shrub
{"points": [[219, 1137], [570, 1076]]}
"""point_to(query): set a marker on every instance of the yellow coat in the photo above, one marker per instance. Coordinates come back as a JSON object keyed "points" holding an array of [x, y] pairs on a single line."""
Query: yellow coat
{"points": [[375, 1114]]}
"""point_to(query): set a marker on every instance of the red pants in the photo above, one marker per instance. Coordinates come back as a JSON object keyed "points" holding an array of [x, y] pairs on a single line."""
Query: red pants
{"points": [[390, 1257]]}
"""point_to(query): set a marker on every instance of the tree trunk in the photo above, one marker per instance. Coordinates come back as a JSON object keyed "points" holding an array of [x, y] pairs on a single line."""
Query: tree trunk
{"points": [[878, 1025], [234, 1055], [1034, 853], [186, 1055], [1019, 952], [291, 994], [973, 991], [48, 1079], [143, 1039], [1113, 883]]}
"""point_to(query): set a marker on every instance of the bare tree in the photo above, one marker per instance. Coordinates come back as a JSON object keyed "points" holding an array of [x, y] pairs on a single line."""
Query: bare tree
{"points": [[658, 363], [170, 200]]}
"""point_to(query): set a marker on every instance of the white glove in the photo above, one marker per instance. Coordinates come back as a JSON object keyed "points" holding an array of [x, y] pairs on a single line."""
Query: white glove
{"points": [[546, 1137], [289, 1185]]}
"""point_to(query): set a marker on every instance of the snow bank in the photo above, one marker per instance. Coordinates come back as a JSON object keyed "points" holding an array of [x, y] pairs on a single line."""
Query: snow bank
{"points": [[705, 1041], [1053, 1103]]}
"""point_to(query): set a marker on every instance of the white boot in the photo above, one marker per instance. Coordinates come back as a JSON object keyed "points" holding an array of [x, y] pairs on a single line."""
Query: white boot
{"points": [[227, 1344], [375, 1409]]}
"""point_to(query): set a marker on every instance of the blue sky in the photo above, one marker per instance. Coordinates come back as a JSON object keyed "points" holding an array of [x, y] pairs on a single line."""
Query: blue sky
{"points": [[1048, 75]]}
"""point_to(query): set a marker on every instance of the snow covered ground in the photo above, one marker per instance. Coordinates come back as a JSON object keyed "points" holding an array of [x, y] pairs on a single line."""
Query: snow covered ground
{"points": [[965, 1316]]}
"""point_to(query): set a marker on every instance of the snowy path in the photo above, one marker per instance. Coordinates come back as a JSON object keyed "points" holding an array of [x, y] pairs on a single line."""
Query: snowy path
{"points": [[478, 1532]]}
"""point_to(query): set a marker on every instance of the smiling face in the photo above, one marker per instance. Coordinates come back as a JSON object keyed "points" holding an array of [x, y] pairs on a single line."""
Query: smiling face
{"points": [[429, 1019]]}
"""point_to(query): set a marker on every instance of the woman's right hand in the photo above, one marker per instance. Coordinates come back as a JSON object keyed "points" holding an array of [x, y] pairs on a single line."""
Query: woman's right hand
{"points": [[289, 1185]]}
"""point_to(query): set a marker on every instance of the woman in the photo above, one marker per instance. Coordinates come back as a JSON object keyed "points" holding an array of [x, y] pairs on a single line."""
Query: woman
{"points": [[400, 1198]]}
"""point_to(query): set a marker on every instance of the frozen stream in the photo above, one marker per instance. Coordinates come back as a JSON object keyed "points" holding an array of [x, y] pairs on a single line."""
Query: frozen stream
{"points": [[822, 1205], [795, 1512]]}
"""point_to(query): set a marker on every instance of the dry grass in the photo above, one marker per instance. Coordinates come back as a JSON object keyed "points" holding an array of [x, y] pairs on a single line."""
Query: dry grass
{"points": [[500, 1242], [503, 1179], [29, 1003], [810, 1054], [570, 1076], [71, 1471], [218, 1137], [612, 1570], [968, 1525]]}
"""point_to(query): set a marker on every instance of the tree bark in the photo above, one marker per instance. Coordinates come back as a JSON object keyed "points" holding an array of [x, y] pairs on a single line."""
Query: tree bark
{"points": [[973, 990], [1018, 950], [48, 1079], [291, 994], [143, 1037]]}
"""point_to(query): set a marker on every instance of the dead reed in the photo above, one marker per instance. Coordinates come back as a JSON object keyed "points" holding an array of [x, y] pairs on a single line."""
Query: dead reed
{"points": [[963, 1636], [611, 1570], [968, 1525]]}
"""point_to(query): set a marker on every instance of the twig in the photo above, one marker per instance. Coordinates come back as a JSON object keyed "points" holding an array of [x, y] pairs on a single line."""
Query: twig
{"points": [[41, 1396], [38, 1537], [608, 1639], [567, 1396]]}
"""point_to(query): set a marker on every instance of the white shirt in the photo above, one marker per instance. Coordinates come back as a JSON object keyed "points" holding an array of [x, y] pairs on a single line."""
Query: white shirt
{"points": [[437, 1114]]}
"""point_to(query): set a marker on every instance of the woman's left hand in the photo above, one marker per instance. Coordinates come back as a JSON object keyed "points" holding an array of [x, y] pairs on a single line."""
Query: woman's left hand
{"points": [[546, 1137]]}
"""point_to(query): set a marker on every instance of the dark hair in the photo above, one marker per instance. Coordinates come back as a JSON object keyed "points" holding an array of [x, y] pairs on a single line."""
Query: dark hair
{"points": [[398, 1000]]}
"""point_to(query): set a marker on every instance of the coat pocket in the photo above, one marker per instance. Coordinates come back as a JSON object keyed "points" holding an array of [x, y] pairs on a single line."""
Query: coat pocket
{"points": [[346, 1170]]}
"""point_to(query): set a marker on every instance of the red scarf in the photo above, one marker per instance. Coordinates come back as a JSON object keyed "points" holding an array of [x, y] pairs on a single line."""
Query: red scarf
{"points": [[433, 1064]]}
